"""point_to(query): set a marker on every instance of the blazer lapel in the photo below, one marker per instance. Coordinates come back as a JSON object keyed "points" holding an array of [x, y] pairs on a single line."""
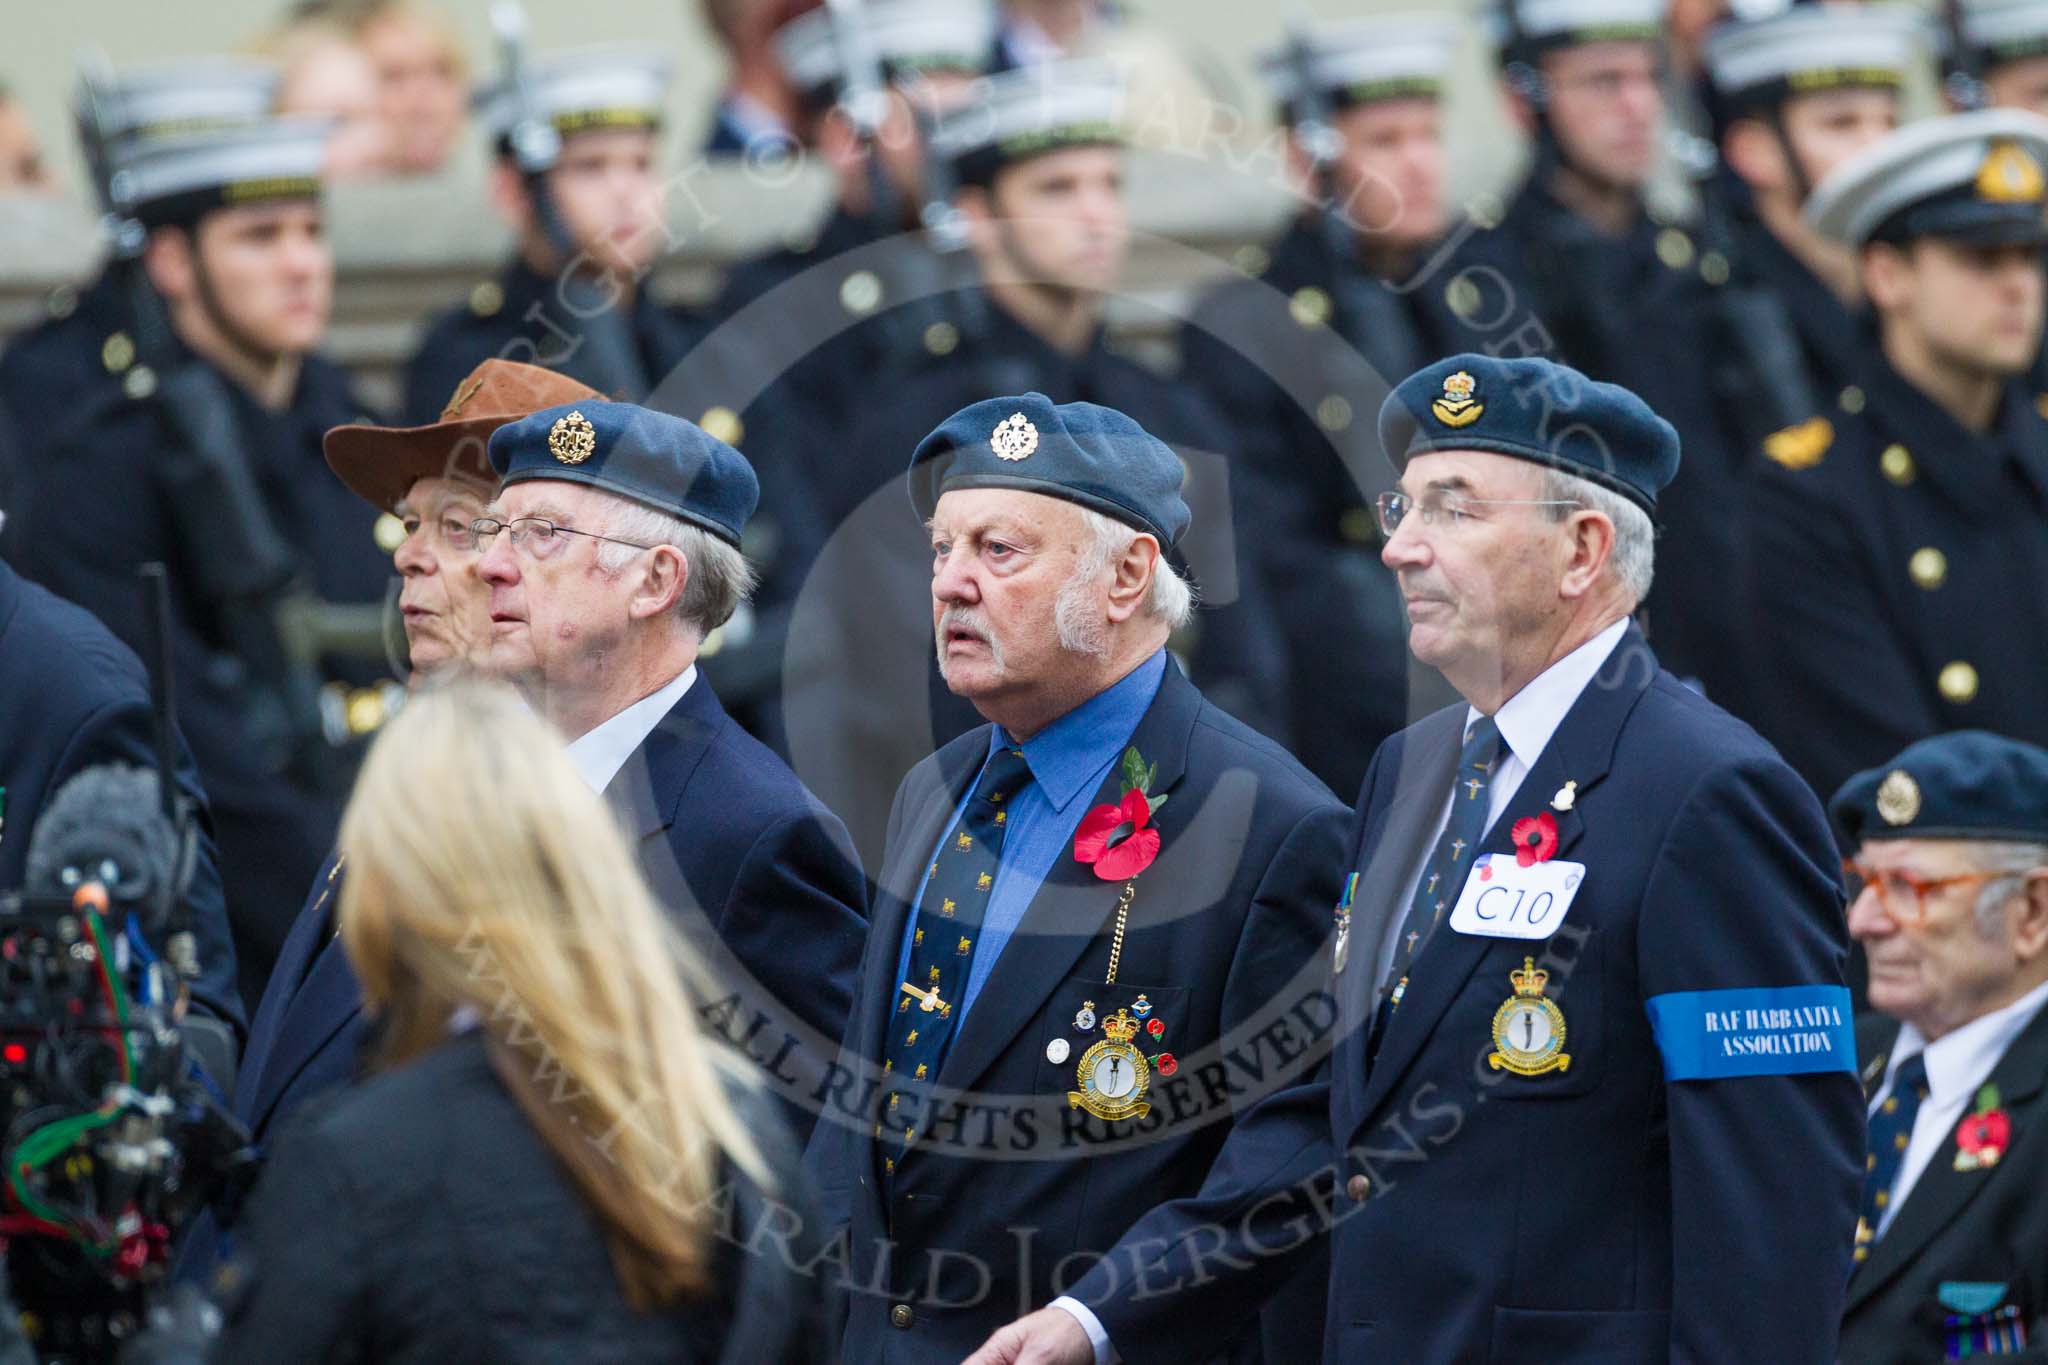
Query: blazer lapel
{"points": [[1581, 751], [1939, 1196], [647, 789], [1388, 856], [325, 1003], [1067, 916]]}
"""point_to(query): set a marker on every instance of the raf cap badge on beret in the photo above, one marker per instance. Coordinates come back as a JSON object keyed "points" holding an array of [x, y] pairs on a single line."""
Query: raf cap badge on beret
{"points": [[1458, 408], [1898, 798], [572, 439], [1014, 438]]}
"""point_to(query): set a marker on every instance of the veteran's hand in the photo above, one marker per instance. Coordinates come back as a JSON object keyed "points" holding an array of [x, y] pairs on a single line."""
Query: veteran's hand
{"points": [[1051, 1336]]}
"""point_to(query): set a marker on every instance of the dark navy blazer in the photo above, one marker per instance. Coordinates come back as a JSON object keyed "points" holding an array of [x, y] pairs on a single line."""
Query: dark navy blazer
{"points": [[981, 1219], [71, 696], [1602, 1213]]}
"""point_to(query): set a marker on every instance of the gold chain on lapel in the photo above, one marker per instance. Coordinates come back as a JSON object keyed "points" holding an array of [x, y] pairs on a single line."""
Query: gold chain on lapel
{"points": [[1123, 916]]}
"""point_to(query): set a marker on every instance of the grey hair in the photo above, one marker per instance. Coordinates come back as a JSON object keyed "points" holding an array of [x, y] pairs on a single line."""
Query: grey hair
{"points": [[720, 577], [1170, 599], [1633, 560], [2009, 861]]}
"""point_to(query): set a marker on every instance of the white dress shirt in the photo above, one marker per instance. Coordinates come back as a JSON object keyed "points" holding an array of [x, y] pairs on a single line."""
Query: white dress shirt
{"points": [[601, 752], [1527, 720], [1958, 1064]]}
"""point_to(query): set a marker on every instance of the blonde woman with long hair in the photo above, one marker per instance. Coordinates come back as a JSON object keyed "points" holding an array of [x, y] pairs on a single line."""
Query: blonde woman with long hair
{"points": [[551, 1160]]}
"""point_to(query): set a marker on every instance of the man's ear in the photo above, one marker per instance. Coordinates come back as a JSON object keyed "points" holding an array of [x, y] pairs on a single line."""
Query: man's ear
{"points": [[1589, 538], [664, 574], [2030, 930], [167, 259], [1132, 582], [1756, 155], [507, 189], [1887, 274]]}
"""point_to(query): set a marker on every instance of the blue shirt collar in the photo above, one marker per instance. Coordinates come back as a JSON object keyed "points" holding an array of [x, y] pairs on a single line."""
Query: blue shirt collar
{"points": [[1067, 755]]}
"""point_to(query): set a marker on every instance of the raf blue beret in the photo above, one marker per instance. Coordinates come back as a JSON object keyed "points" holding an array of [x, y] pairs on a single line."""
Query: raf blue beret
{"points": [[1091, 455], [1968, 784], [637, 453], [1536, 410]]}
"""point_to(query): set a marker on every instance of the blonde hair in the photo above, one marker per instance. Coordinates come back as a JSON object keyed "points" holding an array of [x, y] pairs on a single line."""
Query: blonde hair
{"points": [[485, 879]]}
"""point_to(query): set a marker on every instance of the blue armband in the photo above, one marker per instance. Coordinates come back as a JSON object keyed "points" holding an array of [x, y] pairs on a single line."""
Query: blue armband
{"points": [[1757, 1031]]}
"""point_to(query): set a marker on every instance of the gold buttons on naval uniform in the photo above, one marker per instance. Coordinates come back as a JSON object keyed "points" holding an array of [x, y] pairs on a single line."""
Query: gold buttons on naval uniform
{"points": [[1958, 682], [486, 299], [860, 292], [1358, 1187], [389, 533], [1852, 400], [941, 338], [901, 1316], [1334, 413], [117, 352], [1674, 248], [723, 424], [1929, 567], [1310, 306], [1897, 465]]}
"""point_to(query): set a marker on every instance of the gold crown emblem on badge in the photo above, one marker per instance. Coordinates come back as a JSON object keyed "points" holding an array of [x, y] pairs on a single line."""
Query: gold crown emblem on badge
{"points": [[1457, 407], [1898, 797], [1120, 1027], [572, 439], [1014, 437], [2009, 175], [1529, 979]]}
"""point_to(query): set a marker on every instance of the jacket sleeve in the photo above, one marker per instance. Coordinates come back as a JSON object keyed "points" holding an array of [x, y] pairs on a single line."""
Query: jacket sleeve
{"points": [[302, 1281], [1742, 910], [1188, 1274]]}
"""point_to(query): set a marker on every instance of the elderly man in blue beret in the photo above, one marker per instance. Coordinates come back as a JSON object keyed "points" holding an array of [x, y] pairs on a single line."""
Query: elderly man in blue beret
{"points": [[1594, 1091], [1095, 936], [613, 549], [1951, 905]]}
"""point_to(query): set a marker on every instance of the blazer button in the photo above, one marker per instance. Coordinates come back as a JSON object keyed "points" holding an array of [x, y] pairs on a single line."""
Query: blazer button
{"points": [[901, 1316], [1358, 1187]]}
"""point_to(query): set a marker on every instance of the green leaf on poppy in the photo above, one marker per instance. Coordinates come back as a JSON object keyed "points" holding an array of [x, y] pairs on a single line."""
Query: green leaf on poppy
{"points": [[1135, 777], [1155, 802], [1987, 1099]]}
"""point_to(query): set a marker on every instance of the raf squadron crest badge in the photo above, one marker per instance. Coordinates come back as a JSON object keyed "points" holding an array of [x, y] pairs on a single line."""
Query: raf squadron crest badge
{"points": [[1528, 1030], [1014, 437], [1458, 407], [572, 439], [1113, 1074]]}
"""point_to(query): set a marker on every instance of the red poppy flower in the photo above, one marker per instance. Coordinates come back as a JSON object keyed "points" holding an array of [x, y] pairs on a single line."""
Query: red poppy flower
{"points": [[1156, 1027], [1985, 1136], [1535, 839], [1165, 1064], [1116, 840]]}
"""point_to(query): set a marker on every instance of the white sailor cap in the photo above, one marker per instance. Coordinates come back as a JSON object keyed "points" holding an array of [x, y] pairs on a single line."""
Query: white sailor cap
{"points": [[168, 99], [1356, 61], [1029, 111], [1975, 177], [903, 36], [179, 179], [1539, 25], [2005, 30], [1814, 47], [610, 86]]}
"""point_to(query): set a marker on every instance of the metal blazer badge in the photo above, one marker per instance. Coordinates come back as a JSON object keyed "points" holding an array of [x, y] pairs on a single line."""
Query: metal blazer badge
{"points": [[1528, 1030], [1113, 1074]]}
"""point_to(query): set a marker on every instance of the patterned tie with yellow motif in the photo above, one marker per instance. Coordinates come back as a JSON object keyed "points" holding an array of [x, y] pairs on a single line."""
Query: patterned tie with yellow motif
{"points": [[949, 918]]}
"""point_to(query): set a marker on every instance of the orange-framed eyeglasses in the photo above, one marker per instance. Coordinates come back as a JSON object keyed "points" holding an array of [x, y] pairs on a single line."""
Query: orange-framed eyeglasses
{"points": [[1904, 894]]}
